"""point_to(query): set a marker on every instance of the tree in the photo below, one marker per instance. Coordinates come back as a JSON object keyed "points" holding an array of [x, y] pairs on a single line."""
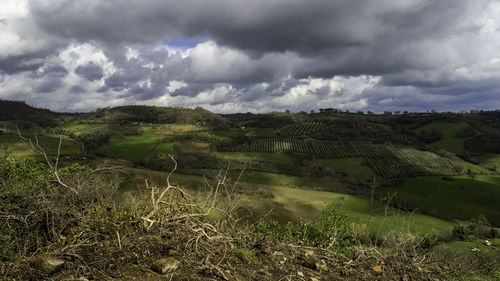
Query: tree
{"points": [[430, 136], [471, 174]]}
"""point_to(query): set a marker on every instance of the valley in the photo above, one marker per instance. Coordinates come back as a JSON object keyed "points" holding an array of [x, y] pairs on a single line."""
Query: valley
{"points": [[411, 173]]}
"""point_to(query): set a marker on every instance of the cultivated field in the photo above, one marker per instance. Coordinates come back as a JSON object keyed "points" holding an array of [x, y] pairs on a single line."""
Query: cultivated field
{"points": [[459, 197], [450, 141]]}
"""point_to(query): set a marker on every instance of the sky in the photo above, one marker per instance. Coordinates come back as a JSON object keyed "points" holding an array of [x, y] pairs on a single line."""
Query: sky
{"points": [[252, 55]]}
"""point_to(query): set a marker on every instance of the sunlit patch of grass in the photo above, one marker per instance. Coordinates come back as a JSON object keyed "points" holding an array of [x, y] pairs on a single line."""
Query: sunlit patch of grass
{"points": [[449, 130], [458, 197], [134, 148]]}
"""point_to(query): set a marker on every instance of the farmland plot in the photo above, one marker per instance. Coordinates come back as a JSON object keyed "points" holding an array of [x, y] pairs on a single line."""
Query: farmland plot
{"points": [[302, 129]]}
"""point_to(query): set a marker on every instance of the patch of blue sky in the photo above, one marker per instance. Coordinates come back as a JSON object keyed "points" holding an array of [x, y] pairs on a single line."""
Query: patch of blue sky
{"points": [[182, 43]]}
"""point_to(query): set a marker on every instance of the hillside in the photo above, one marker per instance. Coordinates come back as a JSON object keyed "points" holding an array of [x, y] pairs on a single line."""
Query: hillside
{"points": [[158, 115], [379, 197], [25, 115]]}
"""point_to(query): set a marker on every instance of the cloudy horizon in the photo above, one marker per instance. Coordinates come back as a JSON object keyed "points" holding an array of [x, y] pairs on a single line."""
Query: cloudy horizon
{"points": [[259, 56]]}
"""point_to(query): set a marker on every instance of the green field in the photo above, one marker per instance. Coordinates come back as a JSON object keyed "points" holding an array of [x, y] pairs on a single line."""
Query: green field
{"points": [[357, 168], [460, 198], [489, 160], [79, 128], [464, 247], [477, 169], [187, 146], [259, 132], [276, 158], [449, 142], [138, 176], [135, 148], [295, 203], [49, 143], [292, 181], [291, 204], [170, 129]]}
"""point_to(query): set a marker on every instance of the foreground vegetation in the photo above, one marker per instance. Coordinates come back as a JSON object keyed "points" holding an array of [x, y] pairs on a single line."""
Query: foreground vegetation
{"points": [[329, 195], [145, 236]]}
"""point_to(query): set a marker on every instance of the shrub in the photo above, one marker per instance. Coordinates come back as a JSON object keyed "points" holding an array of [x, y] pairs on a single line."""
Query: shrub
{"points": [[430, 136], [246, 255], [94, 139], [18, 175], [465, 133], [329, 231], [36, 212]]}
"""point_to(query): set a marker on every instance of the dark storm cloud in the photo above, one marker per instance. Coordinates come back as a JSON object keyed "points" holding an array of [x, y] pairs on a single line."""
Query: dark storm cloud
{"points": [[262, 26], [49, 86], [25, 46], [262, 50], [254, 25], [77, 90], [14, 64], [285, 84], [103, 89], [49, 71], [117, 82], [55, 70], [143, 92], [124, 79], [338, 37], [191, 90], [154, 56], [51, 78], [253, 93], [91, 71], [459, 96]]}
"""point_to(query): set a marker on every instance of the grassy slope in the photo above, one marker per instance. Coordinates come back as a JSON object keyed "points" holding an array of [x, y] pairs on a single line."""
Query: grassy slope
{"points": [[134, 148], [154, 130], [362, 214], [291, 181], [449, 142], [137, 148], [260, 132], [17, 147], [489, 160], [290, 204], [169, 129], [464, 247], [476, 169], [139, 175], [187, 146], [461, 198], [354, 167], [79, 128], [48, 142], [278, 158]]}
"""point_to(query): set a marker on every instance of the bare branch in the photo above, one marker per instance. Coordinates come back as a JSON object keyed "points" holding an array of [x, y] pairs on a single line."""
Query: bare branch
{"points": [[53, 167]]}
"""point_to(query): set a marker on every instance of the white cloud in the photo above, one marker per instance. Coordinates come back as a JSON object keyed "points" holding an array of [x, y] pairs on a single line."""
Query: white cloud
{"points": [[345, 54]]}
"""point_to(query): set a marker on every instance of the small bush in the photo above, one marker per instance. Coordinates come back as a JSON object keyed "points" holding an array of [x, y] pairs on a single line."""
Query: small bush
{"points": [[465, 133], [329, 231], [430, 136], [246, 255]]}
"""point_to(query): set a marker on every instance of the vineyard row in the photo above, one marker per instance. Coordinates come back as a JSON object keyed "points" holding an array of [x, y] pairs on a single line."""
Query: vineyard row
{"points": [[388, 161]]}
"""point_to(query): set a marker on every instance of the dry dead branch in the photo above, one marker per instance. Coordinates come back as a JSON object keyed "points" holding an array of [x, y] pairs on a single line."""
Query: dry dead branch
{"points": [[52, 165]]}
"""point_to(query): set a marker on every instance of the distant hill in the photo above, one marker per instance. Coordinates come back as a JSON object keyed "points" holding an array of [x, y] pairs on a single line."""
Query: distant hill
{"points": [[26, 116], [154, 114]]}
